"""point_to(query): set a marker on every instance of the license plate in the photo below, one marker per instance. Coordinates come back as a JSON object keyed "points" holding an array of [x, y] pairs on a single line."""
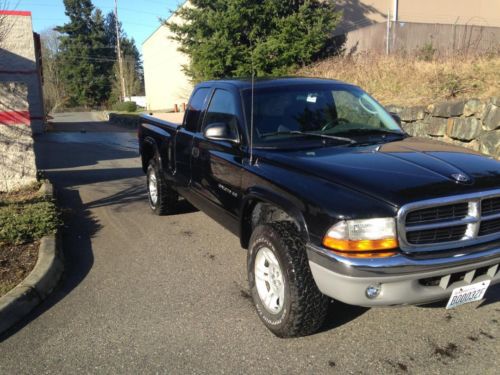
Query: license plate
{"points": [[468, 293]]}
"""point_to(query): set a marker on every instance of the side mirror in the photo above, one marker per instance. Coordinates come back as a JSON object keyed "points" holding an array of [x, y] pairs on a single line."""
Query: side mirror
{"points": [[396, 117], [220, 131]]}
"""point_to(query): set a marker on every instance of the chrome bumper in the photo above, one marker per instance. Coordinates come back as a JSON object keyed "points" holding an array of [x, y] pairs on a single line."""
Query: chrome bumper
{"points": [[402, 279]]}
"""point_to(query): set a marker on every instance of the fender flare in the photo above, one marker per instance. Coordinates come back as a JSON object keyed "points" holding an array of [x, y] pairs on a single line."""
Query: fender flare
{"points": [[261, 194], [151, 142]]}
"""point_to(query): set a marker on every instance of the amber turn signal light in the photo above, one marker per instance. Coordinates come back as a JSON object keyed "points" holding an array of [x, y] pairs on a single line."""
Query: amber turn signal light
{"points": [[360, 245]]}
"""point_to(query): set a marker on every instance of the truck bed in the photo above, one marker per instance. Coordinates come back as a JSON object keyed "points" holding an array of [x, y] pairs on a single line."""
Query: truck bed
{"points": [[171, 118]]}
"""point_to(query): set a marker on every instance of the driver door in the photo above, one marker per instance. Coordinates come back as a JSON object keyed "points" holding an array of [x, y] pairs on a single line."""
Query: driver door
{"points": [[217, 164]]}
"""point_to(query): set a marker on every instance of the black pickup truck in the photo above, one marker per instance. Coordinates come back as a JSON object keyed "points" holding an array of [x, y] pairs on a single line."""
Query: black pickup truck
{"points": [[332, 199]]}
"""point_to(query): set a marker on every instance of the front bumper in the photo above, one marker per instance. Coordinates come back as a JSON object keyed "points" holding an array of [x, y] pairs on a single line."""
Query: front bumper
{"points": [[402, 279]]}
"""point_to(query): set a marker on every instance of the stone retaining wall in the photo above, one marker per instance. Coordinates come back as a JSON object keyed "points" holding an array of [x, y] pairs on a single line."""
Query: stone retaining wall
{"points": [[472, 123], [17, 156], [128, 120]]}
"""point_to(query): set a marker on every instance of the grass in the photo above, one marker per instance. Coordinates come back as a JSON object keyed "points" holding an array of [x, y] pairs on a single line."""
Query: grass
{"points": [[414, 80], [25, 217]]}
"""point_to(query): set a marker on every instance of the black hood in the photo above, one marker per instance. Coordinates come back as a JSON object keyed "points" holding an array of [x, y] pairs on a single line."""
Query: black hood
{"points": [[397, 172]]}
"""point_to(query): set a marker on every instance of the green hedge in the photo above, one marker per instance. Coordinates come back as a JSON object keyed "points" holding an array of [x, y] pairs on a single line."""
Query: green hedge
{"points": [[125, 107], [27, 222]]}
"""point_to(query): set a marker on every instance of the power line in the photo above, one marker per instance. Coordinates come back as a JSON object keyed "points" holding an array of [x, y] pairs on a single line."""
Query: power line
{"points": [[59, 19], [110, 8]]}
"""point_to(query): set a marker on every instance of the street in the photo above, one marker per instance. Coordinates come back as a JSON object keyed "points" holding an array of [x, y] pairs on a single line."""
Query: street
{"points": [[148, 294]]}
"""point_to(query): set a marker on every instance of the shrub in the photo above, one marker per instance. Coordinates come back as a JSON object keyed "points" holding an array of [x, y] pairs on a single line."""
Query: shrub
{"points": [[427, 52], [26, 222], [451, 84], [125, 106]]}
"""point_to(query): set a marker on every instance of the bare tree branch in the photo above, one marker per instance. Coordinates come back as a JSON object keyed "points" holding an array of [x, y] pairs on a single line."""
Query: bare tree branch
{"points": [[5, 26]]}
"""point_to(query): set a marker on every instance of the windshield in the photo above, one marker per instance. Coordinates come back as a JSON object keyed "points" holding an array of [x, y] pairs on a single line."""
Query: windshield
{"points": [[293, 114]]}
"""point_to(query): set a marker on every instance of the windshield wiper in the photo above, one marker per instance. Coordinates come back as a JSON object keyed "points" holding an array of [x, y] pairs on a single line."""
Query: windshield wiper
{"points": [[365, 131], [324, 136]]}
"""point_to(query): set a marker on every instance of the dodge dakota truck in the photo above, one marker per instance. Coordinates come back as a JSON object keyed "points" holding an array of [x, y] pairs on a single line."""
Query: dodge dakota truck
{"points": [[331, 198]]}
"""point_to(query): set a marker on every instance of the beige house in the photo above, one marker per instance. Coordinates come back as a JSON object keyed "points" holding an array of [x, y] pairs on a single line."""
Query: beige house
{"points": [[471, 25], [447, 24], [361, 13], [165, 82]]}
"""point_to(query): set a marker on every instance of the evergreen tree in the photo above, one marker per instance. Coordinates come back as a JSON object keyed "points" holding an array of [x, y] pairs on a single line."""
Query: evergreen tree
{"points": [[221, 37], [84, 65], [103, 59]]}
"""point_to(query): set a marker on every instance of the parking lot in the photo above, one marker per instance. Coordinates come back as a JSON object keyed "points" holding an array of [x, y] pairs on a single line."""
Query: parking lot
{"points": [[169, 294]]}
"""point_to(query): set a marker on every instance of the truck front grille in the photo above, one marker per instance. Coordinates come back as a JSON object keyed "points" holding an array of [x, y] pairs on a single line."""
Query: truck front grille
{"points": [[444, 223], [489, 227], [450, 212], [421, 237], [490, 206]]}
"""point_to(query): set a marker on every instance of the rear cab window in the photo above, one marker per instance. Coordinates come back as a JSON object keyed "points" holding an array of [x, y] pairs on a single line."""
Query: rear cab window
{"points": [[195, 108]]}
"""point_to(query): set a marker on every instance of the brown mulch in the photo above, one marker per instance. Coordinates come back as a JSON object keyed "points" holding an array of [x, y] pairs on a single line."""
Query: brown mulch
{"points": [[16, 262]]}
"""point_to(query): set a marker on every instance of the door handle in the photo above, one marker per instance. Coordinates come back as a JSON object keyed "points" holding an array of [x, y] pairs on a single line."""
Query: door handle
{"points": [[195, 151]]}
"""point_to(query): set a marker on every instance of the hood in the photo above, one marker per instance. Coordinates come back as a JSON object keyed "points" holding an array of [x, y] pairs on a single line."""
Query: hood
{"points": [[397, 172]]}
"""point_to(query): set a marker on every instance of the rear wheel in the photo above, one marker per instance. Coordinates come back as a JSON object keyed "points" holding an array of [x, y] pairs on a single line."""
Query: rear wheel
{"points": [[162, 198], [285, 295]]}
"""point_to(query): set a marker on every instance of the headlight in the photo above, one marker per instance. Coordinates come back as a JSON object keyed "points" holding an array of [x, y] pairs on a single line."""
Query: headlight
{"points": [[363, 238]]}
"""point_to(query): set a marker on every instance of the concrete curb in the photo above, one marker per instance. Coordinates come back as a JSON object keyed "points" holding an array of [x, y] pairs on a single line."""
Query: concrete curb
{"points": [[42, 280]]}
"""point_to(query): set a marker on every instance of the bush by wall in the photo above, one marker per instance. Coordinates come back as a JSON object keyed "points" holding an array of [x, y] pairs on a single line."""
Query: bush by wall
{"points": [[472, 123], [125, 106], [27, 220]]}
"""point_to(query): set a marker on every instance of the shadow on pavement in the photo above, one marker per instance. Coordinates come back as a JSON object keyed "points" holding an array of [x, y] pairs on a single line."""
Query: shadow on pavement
{"points": [[123, 197], [88, 126], [61, 157], [340, 313], [80, 226]]}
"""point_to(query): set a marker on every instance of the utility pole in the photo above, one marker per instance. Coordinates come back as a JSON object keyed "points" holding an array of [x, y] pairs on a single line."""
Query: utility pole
{"points": [[388, 31], [119, 53]]}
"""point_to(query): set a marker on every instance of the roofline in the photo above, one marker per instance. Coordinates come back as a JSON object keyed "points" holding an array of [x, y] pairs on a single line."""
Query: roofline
{"points": [[245, 83], [23, 13], [153, 33], [162, 24]]}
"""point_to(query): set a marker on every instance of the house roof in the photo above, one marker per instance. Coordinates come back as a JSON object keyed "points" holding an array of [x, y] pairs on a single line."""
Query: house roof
{"points": [[163, 25]]}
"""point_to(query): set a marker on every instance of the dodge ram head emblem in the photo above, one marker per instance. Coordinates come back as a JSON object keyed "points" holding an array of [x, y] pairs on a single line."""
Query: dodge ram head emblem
{"points": [[460, 177]]}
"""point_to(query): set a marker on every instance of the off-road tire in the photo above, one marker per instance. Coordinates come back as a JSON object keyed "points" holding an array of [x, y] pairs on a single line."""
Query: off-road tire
{"points": [[166, 202], [305, 307]]}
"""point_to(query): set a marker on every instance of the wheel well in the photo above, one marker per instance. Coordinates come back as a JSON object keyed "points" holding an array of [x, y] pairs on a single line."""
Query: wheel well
{"points": [[147, 153], [258, 212]]}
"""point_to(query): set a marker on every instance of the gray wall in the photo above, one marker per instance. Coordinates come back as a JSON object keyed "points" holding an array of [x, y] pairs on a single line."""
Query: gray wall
{"points": [[408, 37]]}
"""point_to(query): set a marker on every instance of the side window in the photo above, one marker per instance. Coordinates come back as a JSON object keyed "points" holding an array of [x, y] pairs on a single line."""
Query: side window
{"points": [[223, 109], [194, 109]]}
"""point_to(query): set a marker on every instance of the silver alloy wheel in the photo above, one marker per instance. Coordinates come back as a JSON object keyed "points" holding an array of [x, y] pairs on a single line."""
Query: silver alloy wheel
{"points": [[153, 188], [269, 280]]}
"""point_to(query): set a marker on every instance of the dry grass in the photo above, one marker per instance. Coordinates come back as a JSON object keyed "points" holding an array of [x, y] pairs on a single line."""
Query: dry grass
{"points": [[408, 80], [25, 194]]}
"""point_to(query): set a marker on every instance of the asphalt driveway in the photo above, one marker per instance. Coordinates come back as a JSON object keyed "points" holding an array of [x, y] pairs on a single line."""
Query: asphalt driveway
{"points": [[147, 294]]}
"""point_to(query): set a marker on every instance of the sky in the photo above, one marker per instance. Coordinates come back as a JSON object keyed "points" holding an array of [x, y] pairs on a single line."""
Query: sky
{"points": [[139, 17]]}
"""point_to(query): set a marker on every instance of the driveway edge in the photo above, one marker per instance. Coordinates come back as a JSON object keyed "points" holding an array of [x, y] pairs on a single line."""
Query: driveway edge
{"points": [[41, 281]]}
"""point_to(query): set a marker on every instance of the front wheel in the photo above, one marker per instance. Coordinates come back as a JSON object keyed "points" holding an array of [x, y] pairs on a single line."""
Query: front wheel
{"points": [[162, 198], [285, 295]]}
